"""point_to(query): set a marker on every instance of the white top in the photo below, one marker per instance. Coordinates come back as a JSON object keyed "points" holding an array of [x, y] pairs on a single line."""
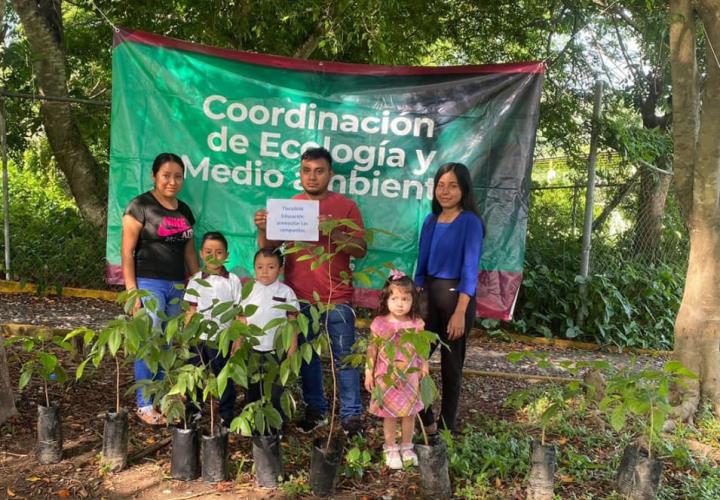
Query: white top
{"points": [[266, 298], [224, 287]]}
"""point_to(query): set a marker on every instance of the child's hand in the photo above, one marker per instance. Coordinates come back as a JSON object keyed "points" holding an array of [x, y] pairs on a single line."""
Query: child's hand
{"points": [[425, 369], [369, 380], [236, 345], [261, 219]]}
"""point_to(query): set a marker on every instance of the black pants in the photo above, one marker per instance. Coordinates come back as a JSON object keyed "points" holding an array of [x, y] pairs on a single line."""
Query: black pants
{"points": [[441, 302], [254, 391], [214, 360]]}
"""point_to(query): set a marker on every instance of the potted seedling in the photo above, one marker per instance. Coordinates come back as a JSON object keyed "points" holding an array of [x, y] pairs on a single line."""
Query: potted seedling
{"points": [[214, 446], [432, 451], [544, 411], [261, 419], [121, 339], [45, 365], [641, 397], [180, 382], [268, 375], [327, 453]]}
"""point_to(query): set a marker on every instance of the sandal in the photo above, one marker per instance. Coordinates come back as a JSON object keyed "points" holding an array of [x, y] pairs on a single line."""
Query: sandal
{"points": [[150, 416]]}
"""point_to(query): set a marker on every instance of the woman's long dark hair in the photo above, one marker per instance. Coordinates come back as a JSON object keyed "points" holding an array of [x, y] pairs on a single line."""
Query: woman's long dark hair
{"points": [[467, 202]]}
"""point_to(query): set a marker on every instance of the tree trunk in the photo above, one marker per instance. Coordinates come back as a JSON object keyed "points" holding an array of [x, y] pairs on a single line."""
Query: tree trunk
{"points": [[651, 208], [7, 399], [696, 128], [42, 21]]}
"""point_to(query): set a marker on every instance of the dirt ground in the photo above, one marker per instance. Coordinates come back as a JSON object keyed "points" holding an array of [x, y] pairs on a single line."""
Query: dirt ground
{"points": [[83, 405]]}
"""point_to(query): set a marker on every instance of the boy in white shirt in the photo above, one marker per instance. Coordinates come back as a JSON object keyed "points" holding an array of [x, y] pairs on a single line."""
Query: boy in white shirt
{"points": [[223, 287], [267, 293]]}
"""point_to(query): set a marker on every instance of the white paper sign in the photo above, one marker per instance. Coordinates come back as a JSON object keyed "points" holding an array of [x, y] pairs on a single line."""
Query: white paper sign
{"points": [[293, 220]]}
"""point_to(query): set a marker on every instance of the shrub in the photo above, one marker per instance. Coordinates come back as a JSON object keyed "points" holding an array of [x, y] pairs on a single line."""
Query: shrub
{"points": [[50, 243], [632, 307]]}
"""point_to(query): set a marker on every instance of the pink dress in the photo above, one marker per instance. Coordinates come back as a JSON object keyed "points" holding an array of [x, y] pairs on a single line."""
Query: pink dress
{"points": [[399, 398]]}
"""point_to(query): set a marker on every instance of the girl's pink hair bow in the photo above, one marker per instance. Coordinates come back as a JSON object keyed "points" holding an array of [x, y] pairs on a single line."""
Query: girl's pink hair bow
{"points": [[396, 274]]}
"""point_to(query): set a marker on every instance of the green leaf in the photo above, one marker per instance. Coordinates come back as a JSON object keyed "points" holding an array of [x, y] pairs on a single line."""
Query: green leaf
{"points": [[222, 379], [617, 418], [247, 289], [114, 341], [48, 361], [287, 403], [428, 391], [80, 369], [274, 419], [307, 352], [25, 378]]}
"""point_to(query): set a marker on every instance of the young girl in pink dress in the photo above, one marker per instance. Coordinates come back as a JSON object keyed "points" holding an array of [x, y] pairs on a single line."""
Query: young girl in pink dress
{"points": [[394, 370]]}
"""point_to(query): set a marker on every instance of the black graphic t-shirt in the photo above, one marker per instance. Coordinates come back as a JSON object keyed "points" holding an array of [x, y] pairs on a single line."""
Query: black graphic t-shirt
{"points": [[160, 250]]}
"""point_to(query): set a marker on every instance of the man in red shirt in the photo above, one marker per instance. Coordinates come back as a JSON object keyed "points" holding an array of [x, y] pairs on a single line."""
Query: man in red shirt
{"points": [[315, 174]]}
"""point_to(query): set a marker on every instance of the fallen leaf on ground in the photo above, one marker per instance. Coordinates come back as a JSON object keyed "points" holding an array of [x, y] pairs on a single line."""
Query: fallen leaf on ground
{"points": [[10, 492], [33, 479], [224, 486], [63, 493]]}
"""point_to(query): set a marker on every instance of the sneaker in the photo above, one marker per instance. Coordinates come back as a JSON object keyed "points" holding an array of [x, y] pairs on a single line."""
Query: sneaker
{"points": [[313, 420], [392, 457], [353, 426], [407, 454]]}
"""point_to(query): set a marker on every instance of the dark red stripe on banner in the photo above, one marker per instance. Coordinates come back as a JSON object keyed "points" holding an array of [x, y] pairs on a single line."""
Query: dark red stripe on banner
{"points": [[126, 35], [495, 297]]}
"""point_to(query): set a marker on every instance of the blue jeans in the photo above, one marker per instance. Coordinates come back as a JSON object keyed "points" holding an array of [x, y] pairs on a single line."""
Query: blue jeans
{"points": [[163, 291], [341, 326]]}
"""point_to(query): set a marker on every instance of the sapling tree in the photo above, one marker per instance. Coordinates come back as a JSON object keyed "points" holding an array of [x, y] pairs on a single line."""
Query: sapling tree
{"points": [[122, 338], [42, 362], [551, 403], [252, 367], [640, 398], [320, 255]]}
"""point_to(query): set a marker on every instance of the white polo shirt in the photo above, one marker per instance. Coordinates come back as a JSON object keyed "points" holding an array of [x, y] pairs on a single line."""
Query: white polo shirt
{"points": [[224, 287], [266, 298]]}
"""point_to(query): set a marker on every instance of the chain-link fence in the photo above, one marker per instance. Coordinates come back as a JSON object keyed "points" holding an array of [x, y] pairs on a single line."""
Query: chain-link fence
{"points": [[637, 259], [635, 219]]}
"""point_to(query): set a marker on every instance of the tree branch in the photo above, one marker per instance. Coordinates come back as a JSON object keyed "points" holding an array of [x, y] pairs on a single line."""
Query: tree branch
{"points": [[312, 41], [620, 195]]}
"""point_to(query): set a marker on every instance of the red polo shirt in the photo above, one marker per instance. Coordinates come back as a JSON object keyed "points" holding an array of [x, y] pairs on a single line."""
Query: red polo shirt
{"points": [[324, 280]]}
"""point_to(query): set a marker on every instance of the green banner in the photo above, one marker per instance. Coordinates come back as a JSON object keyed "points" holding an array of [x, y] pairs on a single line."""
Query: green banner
{"points": [[240, 120]]}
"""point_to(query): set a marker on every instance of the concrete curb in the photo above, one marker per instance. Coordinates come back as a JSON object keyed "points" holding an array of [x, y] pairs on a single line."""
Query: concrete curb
{"points": [[83, 293]]}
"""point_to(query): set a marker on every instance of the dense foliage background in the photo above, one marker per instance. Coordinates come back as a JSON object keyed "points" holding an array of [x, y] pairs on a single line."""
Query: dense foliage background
{"points": [[639, 242]]}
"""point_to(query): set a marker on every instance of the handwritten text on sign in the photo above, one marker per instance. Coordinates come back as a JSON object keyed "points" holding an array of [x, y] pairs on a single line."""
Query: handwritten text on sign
{"points": [[293, 220]]}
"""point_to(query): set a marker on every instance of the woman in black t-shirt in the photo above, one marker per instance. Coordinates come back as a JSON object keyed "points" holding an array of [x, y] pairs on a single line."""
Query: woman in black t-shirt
{"points": [[157, 250]]}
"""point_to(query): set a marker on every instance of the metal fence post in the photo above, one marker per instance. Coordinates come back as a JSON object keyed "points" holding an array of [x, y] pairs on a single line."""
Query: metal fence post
{"points": [[5, 189], [590, 193]]}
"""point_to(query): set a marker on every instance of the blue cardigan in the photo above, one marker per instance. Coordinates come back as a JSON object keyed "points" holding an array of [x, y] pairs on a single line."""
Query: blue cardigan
{"points": [[455, 255]]}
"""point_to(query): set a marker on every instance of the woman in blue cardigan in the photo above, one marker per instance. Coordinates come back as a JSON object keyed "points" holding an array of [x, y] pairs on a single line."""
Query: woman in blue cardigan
{"points": [[450, 248]]}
